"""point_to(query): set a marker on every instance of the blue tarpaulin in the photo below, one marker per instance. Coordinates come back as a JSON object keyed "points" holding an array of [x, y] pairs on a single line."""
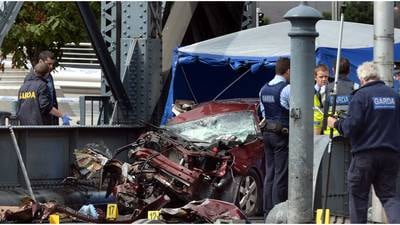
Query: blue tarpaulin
{"points": [[201, 71]]}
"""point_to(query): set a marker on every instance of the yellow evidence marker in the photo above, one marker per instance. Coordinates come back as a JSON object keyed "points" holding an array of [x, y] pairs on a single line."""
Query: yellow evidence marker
{"points": [[153, 215], [112, 212], [54, 219], [318, 220]]}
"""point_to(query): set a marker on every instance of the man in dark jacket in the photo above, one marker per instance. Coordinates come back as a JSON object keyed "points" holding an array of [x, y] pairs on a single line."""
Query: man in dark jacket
{"points": [[48, 58], [372, 124], [343, 93], [34, 98], [344, 87], [34, 102], [274, 98]]}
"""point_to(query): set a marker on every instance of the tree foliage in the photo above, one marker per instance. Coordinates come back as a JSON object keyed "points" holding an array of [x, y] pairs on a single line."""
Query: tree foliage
{"points": [[326, 15], [359, 12], [265, 21], [44, 25]]}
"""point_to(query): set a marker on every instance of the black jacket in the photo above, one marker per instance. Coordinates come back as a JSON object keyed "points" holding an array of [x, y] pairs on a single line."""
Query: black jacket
{"points": [[53, 95], [373, 120], [343, 96], [34, 102]]}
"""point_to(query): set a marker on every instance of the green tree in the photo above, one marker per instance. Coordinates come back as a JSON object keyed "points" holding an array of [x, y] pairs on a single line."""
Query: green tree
{"points": [[44, 25], [265, 20], [359, 12], [326, 15]]}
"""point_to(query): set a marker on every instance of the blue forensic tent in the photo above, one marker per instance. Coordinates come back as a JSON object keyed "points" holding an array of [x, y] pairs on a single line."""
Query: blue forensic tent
{"points": [[201, 71]]}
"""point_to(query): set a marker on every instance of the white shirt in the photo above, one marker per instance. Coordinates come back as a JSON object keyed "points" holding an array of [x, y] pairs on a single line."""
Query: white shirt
{"points": [[285, 93]]}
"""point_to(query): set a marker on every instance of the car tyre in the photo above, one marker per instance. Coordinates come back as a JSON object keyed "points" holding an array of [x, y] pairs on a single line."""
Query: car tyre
{"points": [[249, 195], [246, 193]]}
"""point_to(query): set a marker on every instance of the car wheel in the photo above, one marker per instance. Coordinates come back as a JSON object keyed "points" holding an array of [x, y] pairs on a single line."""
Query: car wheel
{"points": [[249, 196]]}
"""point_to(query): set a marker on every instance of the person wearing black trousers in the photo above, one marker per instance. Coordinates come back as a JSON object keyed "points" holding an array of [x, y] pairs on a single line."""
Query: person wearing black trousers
{"points": [[274, 99], [372, 124]]}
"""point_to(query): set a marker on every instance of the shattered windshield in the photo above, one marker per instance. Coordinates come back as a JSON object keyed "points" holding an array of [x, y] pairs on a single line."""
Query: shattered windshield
{"points": [[233, 125]]}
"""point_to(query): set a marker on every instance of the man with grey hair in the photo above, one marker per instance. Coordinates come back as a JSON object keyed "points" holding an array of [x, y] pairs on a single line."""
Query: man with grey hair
{"points": [[372, 124]]}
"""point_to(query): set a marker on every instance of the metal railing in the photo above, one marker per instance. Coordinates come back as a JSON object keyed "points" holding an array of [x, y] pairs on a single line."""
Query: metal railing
{"points": [[103, 108]]}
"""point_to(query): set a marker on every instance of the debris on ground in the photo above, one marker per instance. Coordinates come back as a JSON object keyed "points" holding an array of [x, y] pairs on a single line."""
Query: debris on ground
{"points": [[163, 169], [203, 211]]}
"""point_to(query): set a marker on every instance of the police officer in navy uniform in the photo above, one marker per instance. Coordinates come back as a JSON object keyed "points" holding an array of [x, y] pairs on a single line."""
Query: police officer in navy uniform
{"points": [[274, 99], [34, 100], [344, 89], [372, 124]]}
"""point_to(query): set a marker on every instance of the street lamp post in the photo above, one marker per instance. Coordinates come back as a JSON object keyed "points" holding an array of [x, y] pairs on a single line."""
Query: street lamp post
{"points": [[302, 41]]}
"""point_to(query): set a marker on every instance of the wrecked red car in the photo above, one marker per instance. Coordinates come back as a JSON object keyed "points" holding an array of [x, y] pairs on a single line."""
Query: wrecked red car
{"points": [[214, 151], [228, 128]]}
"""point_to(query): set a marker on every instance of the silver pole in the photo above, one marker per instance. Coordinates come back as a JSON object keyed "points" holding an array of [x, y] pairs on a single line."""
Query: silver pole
{"points": [[334, 6], [334, 94], [21, 163], [339, 52], [301, 137], [383, 59], [384, 39]]}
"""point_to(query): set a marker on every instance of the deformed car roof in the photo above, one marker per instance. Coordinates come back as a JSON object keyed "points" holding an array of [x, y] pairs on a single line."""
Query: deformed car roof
{"points": [[216, 107]]}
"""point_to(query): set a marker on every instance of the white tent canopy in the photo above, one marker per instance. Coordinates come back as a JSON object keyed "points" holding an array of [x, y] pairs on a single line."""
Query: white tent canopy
{"points": [[216, 63], [273, 39]]}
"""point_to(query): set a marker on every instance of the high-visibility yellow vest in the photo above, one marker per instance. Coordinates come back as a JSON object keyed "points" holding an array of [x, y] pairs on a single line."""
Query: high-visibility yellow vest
{"points": [[318, 119], [318, 116]]}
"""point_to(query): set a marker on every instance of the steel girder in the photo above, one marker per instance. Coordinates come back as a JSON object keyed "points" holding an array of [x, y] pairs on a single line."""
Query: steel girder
{"points": [[8, 12], [137, 26], [249, 15], [107, 65]]}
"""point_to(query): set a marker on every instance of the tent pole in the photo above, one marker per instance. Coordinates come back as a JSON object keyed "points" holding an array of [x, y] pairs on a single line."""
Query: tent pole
{"points": [[188, 84], [236, 80]]}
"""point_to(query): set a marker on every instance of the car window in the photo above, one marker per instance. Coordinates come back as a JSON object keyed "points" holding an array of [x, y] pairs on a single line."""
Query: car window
{"points": [[232, 125]]}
